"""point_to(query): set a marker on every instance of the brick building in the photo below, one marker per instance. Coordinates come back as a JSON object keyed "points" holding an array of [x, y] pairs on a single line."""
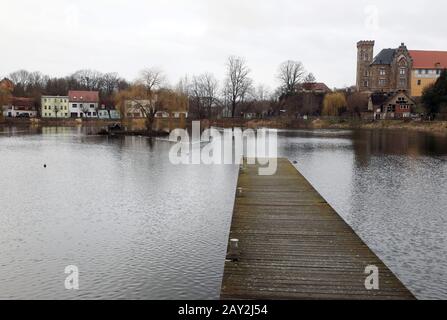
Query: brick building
{"points": [[396, 70], [389, 71]]}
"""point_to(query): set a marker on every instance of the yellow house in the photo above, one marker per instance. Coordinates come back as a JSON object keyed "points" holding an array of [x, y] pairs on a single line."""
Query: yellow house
{"points": [[427, 67], [55, 107]]}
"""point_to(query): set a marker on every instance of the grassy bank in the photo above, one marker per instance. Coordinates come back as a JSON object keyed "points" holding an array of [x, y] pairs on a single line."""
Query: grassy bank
{"points": [[436, 127]]}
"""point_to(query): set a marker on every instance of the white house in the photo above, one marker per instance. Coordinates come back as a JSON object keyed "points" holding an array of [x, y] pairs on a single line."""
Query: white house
{"points": [[83, 104], [20, 108]]}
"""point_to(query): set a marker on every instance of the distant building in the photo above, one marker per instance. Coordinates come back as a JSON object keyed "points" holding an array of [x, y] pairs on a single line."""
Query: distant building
{"points": [[108, 113], [20, 108], [396, 70], [55, 107], [389, 71], [83, 104], [180, 114], [162, 114], [134, 108], [314, 87], [427, 67], [391, 105]]}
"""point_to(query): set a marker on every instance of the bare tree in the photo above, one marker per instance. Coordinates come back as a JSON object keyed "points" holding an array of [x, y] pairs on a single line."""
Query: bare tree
{"points": [[204, 94], [238, 83], [110, 83], [152, 79], [29, 84], [22, 77], [137, 99], [88, 79], [196, 94], [210, 88], [291, 74]]}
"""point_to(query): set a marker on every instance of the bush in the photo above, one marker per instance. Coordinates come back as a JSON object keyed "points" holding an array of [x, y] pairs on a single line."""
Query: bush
{"points": [[334, 104]]}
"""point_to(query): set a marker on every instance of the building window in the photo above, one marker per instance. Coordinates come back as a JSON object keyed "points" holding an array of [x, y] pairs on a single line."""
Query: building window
{"points": [[427, 71], [403, 82], [419, 71], [403, 71], [382, 72], [365, 56], [366, 84], [419, 82], [75, 106], [382, 82], [92, 106], [366, 73]]}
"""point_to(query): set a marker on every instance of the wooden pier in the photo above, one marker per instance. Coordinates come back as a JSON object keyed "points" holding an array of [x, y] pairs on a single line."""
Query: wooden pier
{"points": [[293, 245]]}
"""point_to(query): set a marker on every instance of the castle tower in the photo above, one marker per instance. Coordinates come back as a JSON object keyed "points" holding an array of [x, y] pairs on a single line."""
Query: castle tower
{"points": [[365, 56], [402, 69]]}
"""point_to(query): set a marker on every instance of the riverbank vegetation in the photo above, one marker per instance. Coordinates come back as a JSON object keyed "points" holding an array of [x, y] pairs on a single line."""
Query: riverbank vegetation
{"points": [[435, 96], [297, 98]]}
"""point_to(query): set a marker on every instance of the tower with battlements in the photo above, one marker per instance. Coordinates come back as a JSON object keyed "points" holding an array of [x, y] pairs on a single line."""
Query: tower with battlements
{"points": [[365, 56]]}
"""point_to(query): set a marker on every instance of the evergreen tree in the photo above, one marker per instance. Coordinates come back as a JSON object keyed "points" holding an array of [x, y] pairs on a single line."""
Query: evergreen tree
{"points": [[435, 96]]}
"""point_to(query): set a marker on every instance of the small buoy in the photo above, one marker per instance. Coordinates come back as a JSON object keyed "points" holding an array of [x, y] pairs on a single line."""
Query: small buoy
{"points": [[44, 165], [295, 162]]}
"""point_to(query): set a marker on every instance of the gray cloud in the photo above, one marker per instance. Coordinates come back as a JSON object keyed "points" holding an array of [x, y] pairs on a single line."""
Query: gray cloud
{"points": [[193, 36]]}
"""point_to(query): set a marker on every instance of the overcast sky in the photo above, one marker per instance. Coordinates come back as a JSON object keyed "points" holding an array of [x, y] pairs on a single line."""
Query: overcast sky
{"points": [[182, 37]]}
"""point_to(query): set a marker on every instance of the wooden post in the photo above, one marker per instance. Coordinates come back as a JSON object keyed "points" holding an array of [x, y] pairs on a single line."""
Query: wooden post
{"points": [[233, 252]]}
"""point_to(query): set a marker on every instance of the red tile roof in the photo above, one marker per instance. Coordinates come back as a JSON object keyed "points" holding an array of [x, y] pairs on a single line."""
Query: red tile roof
{"points": [[83, 96], [27, 103], [429, 59], [317, 86]]}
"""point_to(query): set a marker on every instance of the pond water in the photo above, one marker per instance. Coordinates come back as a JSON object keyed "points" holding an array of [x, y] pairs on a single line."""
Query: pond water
{"points": [[140, 228]]}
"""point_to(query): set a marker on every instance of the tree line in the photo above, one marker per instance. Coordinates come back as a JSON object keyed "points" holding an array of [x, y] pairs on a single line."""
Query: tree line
{"points": [[206, 95]]}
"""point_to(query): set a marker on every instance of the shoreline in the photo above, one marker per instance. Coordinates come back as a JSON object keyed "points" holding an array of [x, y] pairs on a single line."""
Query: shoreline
{"points": [[433, 127], [136, 126]]}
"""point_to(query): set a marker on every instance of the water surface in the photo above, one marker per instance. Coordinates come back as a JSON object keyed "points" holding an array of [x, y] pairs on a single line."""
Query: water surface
{"points": [[136, 226], [141, 228]]}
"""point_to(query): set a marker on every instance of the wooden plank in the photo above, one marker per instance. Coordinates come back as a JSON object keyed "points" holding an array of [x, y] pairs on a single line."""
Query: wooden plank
{"points": [[293, 245]]}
